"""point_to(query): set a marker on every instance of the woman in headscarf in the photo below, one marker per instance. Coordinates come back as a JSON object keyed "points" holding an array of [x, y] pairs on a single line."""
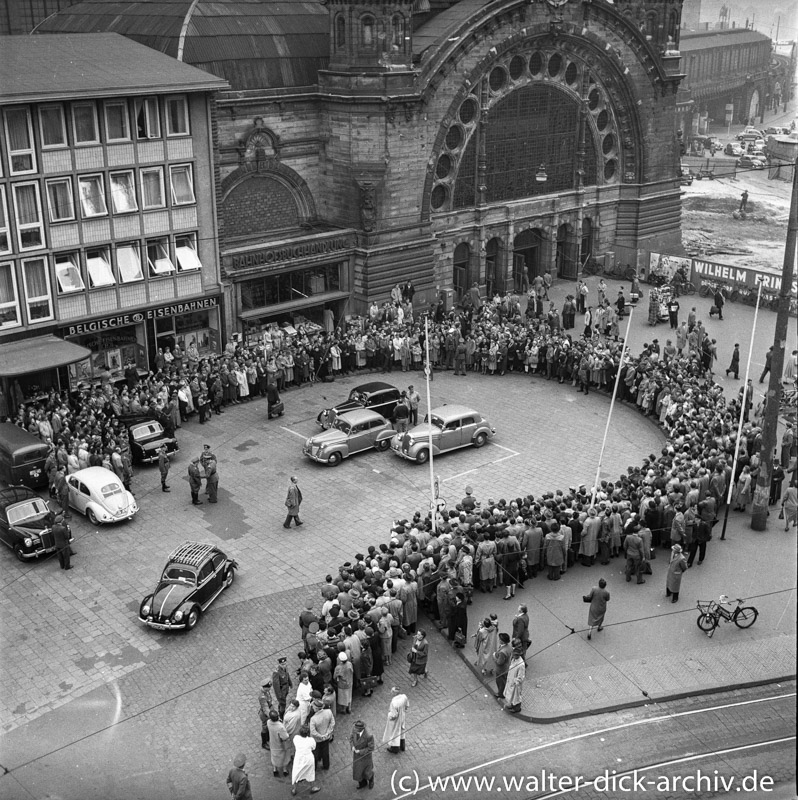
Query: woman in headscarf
{"points": [[304, 768], [486, 641], [343, 678], [362, 743], [394, 733], [677, 565], [279, 744]]}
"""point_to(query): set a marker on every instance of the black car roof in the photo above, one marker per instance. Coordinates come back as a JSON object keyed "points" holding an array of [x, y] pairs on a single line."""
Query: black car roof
{"points": [[192, 554], [374, 386], [16, 494], [136, 419]]}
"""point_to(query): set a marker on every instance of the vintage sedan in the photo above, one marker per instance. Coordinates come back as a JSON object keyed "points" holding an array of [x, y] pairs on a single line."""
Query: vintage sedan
{"points": [[146, 437], [375, 395], [733, 149], [25, 523], [452, 427], [750, 162], [351, 432], [194, 576], [99, 494]]}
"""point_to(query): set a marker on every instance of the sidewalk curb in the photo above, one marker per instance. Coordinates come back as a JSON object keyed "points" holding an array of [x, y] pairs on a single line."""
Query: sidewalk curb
{"points": [[591, 712]]}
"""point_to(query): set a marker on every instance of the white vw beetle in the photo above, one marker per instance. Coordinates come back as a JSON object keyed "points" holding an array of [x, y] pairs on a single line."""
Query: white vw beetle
{"points": [[99, 494]]}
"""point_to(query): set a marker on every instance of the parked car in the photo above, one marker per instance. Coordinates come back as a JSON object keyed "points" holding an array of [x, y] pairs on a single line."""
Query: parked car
{"points": [[777, 130], [376, 395], [22, 457], [25, 523], [750, 162], [194, 576], [452, 427], [685, 175], [351, 432], [733, 149], [146, 437], [99, 494], [750, 132]]}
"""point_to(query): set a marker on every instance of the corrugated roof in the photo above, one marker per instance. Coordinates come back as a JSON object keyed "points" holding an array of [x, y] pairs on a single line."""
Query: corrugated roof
{"points": [[439, 27], [254, 44], [98, 64], [690, 42]]}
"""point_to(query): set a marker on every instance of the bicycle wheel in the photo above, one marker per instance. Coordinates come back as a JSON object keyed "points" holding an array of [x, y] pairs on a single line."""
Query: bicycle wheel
{"points": [[746, 617], [734, 295], [705, 291], [689, 288], [707, 622], [630, 273]]}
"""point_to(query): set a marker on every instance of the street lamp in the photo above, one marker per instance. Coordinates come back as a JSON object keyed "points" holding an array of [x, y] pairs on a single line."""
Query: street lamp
{"points": [[540, 175]]}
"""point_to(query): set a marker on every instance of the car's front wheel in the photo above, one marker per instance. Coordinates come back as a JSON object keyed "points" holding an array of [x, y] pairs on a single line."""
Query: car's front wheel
{"points": [[422, 456], [19, 552], [193, 618], [480, 439], [384, 444], [334, 460], [92, 517], [229, 577]]}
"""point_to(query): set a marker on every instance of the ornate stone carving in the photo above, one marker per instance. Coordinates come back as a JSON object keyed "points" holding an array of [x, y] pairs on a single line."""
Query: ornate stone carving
{"points": [[259, 144], [368, 206]]}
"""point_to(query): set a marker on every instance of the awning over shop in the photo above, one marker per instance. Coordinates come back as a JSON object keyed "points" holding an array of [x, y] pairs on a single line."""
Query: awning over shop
{"points": [[295, 305], [41, 353]]}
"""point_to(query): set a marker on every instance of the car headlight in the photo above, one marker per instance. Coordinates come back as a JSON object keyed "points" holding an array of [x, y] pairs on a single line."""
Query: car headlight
{"points": [[28, 542], [178, 616], [145, 609]]}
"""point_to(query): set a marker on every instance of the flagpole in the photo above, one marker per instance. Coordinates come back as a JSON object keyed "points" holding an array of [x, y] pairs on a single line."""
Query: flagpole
{"points": [[612, 406], [428, 376]]}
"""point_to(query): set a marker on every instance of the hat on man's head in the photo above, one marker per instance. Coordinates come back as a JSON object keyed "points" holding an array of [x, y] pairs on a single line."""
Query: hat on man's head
{"points": [[239, 760], [282, 660], [267, 682]]}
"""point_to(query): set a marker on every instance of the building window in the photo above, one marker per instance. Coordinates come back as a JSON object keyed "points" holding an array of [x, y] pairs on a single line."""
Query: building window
{"points": [[67, 273], [98, 266], [28, 213], [19, 137], [182, 184], [59, 200], [5, 242], [123, 192], [340, 31], [52, 126], [176, 116], [158, 258], [37, 289], [398, 32], [92, 196], [186, 252], [128, 262], [367, 31], [9, 302], [84, 123], [148, 124], [152, 188], [117, 126]]}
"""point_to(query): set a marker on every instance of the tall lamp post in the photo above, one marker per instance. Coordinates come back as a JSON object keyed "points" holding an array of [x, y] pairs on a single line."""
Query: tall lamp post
{"points": [[759, 510]]}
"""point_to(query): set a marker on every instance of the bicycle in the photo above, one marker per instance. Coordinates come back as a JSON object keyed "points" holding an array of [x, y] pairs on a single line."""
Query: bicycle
{"points": [[713, 611], [621, 272], [591, 267]]}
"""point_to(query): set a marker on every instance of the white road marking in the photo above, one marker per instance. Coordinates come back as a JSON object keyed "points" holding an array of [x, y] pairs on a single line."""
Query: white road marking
{"points": [[578, 736], [459, 475], [513, 454], [296, 433]]}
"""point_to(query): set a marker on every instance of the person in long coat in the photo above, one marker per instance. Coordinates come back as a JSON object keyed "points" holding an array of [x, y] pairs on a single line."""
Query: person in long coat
{"points": [[588, 547], [395, 727], [510, 562], [292, 720], [292, 503], [410, 603], [344, 679], [598, 597], [555, 552], [485, 558], [212, 481], [420, 653], [677, 566], [742, 491], [377, 665], [362, 744], [279, 743], [486, 642], [238, 780], [514, 688], [304, 768]]}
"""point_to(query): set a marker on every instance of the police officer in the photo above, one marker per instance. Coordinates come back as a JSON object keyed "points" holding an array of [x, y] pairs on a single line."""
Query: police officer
{"points": [[195, 481], [281, 682], [266, 704], [61, 535], [163, 467]]}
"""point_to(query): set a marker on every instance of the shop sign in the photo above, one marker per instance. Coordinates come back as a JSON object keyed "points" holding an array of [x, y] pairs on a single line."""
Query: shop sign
{"points": [[275, 255], [740, 276], [123, 320]]}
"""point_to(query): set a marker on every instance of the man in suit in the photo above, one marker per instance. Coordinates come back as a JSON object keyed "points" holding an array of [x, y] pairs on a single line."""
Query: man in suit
{"points": [[163, 467], [292, 503], [195, 481], [62, 538], [521, 626]]}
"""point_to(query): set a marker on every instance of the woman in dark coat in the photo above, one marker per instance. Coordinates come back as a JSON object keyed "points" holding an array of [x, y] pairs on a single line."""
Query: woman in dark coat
{"points": [[362, 743], [375, 641], [598, 598], [458, 619], [677, 566]]}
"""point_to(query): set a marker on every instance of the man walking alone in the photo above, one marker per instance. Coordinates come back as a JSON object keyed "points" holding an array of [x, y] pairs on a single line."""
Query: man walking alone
{"points": [[292, 503], [163, 467]]}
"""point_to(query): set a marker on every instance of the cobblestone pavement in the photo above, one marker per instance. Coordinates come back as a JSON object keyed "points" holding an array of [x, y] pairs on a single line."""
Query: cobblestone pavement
{"points": [[79, 668]]}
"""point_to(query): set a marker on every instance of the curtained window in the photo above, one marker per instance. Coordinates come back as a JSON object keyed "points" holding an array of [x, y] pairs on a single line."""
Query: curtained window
{"points": [[117, 126], [37, 289], [28, 209], [148, 123], [176, 116], [84, 123], [123, 192], [152, 195], [59, 200], [9, 303], [52, 126], [5, 242], [92, 196], [182, 184], [19, 136]]}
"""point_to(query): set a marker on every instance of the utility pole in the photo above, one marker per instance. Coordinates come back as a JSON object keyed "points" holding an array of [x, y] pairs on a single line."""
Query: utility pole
{"points": [[759, 511]]}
